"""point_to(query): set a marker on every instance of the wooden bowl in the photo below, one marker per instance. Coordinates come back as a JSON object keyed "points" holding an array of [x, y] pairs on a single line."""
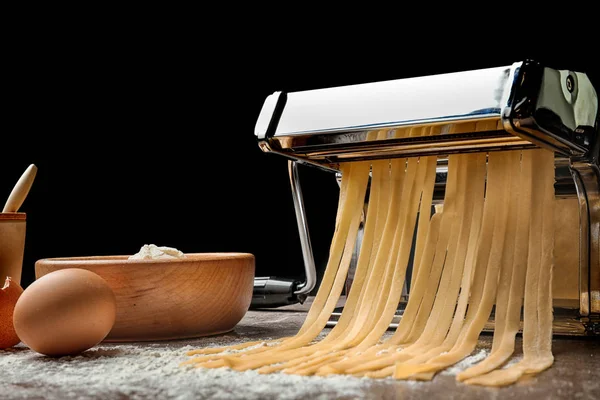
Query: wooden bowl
{"points": [[199, 295]]}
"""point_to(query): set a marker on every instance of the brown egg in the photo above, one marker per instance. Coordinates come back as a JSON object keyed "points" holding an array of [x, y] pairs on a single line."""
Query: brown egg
{"points": [[65, 312]]}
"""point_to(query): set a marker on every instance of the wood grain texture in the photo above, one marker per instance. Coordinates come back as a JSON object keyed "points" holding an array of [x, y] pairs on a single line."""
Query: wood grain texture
{"points": [[203, 294], [13, 227], [18, 216], [20, 191]]}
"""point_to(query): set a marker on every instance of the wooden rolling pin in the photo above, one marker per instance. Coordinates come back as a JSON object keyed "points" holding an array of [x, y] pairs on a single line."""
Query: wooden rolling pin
{"points": [[20, 191]]}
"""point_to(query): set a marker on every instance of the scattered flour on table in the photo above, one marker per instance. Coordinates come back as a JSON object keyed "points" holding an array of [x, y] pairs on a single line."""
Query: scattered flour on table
{"points": [[474, 359], [154, 371], [128, 371], [466, 363], [512, 362]]}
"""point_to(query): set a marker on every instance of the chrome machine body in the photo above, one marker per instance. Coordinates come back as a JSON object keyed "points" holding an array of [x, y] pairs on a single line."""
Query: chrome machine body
{"points": [[534, 106]]}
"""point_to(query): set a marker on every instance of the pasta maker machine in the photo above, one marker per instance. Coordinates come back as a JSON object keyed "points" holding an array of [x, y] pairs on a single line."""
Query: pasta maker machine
{"points": [[534, 106]]}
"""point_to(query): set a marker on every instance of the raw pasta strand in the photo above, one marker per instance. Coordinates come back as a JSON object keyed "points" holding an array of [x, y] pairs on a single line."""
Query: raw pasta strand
{"points": [[374, 224], [507, 256], [400, 261], [389, 297], [436, 326], [537, 318], [327, 280], [392, 298], [450, 200], [491, 246], [376, 215], [385, 256], [357, 175], [425, 207], [517, 283], [374, 304], [498, 187], [421, 276], [381, 271], [507, 259], [448, 219], [344, 219], [474, 173], [385, 304], [364, 312], [447, 333], [388, 357], [356, 192]]}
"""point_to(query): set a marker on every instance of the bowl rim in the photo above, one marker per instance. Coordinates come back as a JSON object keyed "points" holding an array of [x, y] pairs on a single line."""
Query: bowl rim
{"points": [[124, 259]]}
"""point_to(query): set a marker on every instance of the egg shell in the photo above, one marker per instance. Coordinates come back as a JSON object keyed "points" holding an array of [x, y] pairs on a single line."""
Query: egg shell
{"points": [[9, 294], [65, 312]]}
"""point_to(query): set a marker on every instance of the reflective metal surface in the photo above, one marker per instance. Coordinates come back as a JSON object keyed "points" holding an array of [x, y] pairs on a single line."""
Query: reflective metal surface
{"points": [[584, 247], [556, 109], [307, 254], [534, 106], [333, 153], [430, 99], [589, 178]]}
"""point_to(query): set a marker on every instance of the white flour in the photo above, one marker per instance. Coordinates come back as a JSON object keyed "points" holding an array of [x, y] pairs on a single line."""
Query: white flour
{"points": [[153, 371], [466, 363], [153, 252], [127, 371]]}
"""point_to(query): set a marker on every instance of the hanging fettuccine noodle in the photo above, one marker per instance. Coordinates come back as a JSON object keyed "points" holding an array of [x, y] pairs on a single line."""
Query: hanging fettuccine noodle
{"points": [[489, 245]]}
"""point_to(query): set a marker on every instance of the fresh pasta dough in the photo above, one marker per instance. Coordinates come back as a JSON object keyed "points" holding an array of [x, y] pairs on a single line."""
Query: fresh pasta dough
{"points": [[489, 247]]}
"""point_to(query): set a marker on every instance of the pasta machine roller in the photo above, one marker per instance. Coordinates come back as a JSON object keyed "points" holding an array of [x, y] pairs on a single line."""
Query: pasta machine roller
{"points": [[534, 106]]}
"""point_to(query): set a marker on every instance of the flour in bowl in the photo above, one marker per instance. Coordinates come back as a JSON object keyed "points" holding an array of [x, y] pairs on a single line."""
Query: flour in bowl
{"points": [[153, 252]]}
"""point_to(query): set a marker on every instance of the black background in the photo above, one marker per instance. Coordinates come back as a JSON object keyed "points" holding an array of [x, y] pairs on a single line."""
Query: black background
{"points": [[148, 136]]}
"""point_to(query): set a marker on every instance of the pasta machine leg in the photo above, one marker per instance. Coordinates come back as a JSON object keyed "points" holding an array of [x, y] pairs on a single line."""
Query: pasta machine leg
{"points": [[276, 292]]}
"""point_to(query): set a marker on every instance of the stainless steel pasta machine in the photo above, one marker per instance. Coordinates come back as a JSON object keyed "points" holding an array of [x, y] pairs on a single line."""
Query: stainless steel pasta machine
{"points": [[534, 106]]}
